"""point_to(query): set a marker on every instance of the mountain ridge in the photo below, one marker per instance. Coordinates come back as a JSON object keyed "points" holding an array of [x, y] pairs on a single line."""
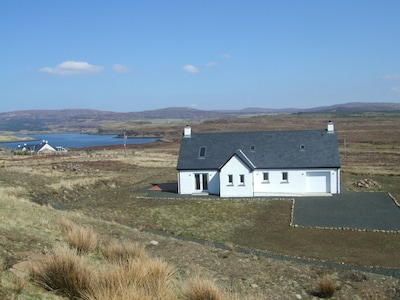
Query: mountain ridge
{"points": [[80, 119]]}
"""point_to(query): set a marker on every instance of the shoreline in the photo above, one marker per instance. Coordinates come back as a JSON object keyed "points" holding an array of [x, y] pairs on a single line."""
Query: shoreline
{"points": [[15, 139]]}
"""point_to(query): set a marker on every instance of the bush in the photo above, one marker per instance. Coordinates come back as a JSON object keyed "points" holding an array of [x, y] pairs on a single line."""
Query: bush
{"points": [[63, 271]]}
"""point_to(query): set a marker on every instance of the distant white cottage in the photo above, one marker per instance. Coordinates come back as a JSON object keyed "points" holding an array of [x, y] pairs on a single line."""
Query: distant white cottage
{"points": [[251, 164], [42, 148]]}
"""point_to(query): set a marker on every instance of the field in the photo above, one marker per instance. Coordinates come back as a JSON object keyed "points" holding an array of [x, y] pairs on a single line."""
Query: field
{"points": [[108, 191]]}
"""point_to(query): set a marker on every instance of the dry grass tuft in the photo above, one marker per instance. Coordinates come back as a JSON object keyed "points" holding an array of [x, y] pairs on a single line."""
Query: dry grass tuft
{"points": [[118, 252], [63, 271], [202, 289], [135, 279], [83, 239], [325, 288]]}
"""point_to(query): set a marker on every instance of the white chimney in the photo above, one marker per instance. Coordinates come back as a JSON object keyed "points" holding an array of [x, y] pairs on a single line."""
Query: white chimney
{"points": [[187, 132], [330, 128]]}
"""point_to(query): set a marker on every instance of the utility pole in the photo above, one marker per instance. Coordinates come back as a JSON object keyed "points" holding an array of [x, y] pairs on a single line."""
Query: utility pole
{"points": [[345, 145], [125, 141]]}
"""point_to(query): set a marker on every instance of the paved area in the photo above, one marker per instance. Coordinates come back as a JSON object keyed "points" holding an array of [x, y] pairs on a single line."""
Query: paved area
{"points": [[359, 210]]}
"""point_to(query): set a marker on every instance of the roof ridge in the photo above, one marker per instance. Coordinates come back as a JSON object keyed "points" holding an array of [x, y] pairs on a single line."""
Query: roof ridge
{"points": [[245, 156]]}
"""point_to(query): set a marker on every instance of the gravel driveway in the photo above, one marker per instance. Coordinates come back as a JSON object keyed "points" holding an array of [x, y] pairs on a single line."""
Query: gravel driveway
{"points": [[358, 210]]}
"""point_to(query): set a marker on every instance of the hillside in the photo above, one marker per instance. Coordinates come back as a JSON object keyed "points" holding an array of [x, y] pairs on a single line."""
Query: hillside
{"points": [[69, 120]]}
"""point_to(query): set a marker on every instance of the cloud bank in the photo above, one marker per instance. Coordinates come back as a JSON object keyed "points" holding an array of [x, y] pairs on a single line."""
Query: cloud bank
{"points": [[190, 69], [69, 68]]}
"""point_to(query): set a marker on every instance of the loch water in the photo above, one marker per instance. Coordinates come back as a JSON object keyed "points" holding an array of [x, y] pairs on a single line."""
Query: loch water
{"points": [[78, 140]]}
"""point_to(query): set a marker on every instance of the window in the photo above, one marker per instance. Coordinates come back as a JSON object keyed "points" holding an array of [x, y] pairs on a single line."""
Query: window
{"points": [[230, 179], [266, 176], [197, 181], [252, 148], [241, 178], [201, 181], [202, 152], [302, 147], [285, 177]]}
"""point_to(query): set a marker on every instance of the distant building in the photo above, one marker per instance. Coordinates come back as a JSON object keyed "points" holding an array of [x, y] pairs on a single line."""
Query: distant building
{"points": [[41, 148], [267, 163]]}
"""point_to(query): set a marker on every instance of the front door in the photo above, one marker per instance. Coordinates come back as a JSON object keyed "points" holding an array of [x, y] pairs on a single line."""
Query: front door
{"points": [[201, 182]]}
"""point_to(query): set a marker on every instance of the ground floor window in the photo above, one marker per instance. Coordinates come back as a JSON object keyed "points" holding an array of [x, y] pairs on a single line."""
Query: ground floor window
{"points": [[265, 176], [201, 181], [241, 179], [230, 179], [285, 177]]}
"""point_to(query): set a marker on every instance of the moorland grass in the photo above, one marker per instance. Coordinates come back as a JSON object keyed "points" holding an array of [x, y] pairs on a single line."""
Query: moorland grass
{"points": [[63, 271], [121, 251], [129, 274], [83, 239], [372, 152], [198, 288]]}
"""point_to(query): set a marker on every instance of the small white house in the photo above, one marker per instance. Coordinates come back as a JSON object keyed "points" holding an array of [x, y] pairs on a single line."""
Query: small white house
{"points": [[41, 148], [267, 163]]}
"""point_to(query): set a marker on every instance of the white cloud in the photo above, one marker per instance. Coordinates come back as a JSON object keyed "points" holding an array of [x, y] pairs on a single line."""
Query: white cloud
{"points": [[226, 56], [73, 68], [396, 88], [211, 64], [392, 76], [190, 69], [122, 69]]}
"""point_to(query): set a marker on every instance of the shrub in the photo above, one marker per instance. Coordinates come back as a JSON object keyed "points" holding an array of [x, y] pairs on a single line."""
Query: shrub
{"points": [[325, 288], [84, 240], [63, 271]]}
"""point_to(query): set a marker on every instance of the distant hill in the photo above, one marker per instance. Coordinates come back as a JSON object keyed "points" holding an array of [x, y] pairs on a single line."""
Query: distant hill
{"points": [[355, 107], [83, 119]]}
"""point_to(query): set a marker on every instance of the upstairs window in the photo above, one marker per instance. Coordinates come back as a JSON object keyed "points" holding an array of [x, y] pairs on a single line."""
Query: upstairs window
{"points": [[302, 147], [202, 152], [252, 148]]}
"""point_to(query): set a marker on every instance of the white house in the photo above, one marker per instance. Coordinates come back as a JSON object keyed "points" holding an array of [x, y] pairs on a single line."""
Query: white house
{"points": [[267, 163], [43, 147]]}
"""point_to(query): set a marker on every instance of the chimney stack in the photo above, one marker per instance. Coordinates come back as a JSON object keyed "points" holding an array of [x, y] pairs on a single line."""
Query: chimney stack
{"points": [[330, 128], [187, 132]]}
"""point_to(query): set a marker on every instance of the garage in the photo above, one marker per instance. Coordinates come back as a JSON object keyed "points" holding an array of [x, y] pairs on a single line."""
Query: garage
{"points": [[318, 182]]}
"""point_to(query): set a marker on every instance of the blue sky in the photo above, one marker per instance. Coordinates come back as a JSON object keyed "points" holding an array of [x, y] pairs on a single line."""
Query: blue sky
{"points": [[140, 55]]}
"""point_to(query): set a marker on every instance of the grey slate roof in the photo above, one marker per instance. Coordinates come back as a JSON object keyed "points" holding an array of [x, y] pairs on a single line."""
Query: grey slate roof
{"points": [[272, 149]]}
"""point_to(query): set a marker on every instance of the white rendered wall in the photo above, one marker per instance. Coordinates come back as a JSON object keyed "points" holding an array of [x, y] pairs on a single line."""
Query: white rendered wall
{"points": [[296, 183], [236, 167], [187, 183]]}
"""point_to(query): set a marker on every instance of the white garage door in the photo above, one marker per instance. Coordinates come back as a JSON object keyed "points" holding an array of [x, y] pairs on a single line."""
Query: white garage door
{"points": [[318, 182]]}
